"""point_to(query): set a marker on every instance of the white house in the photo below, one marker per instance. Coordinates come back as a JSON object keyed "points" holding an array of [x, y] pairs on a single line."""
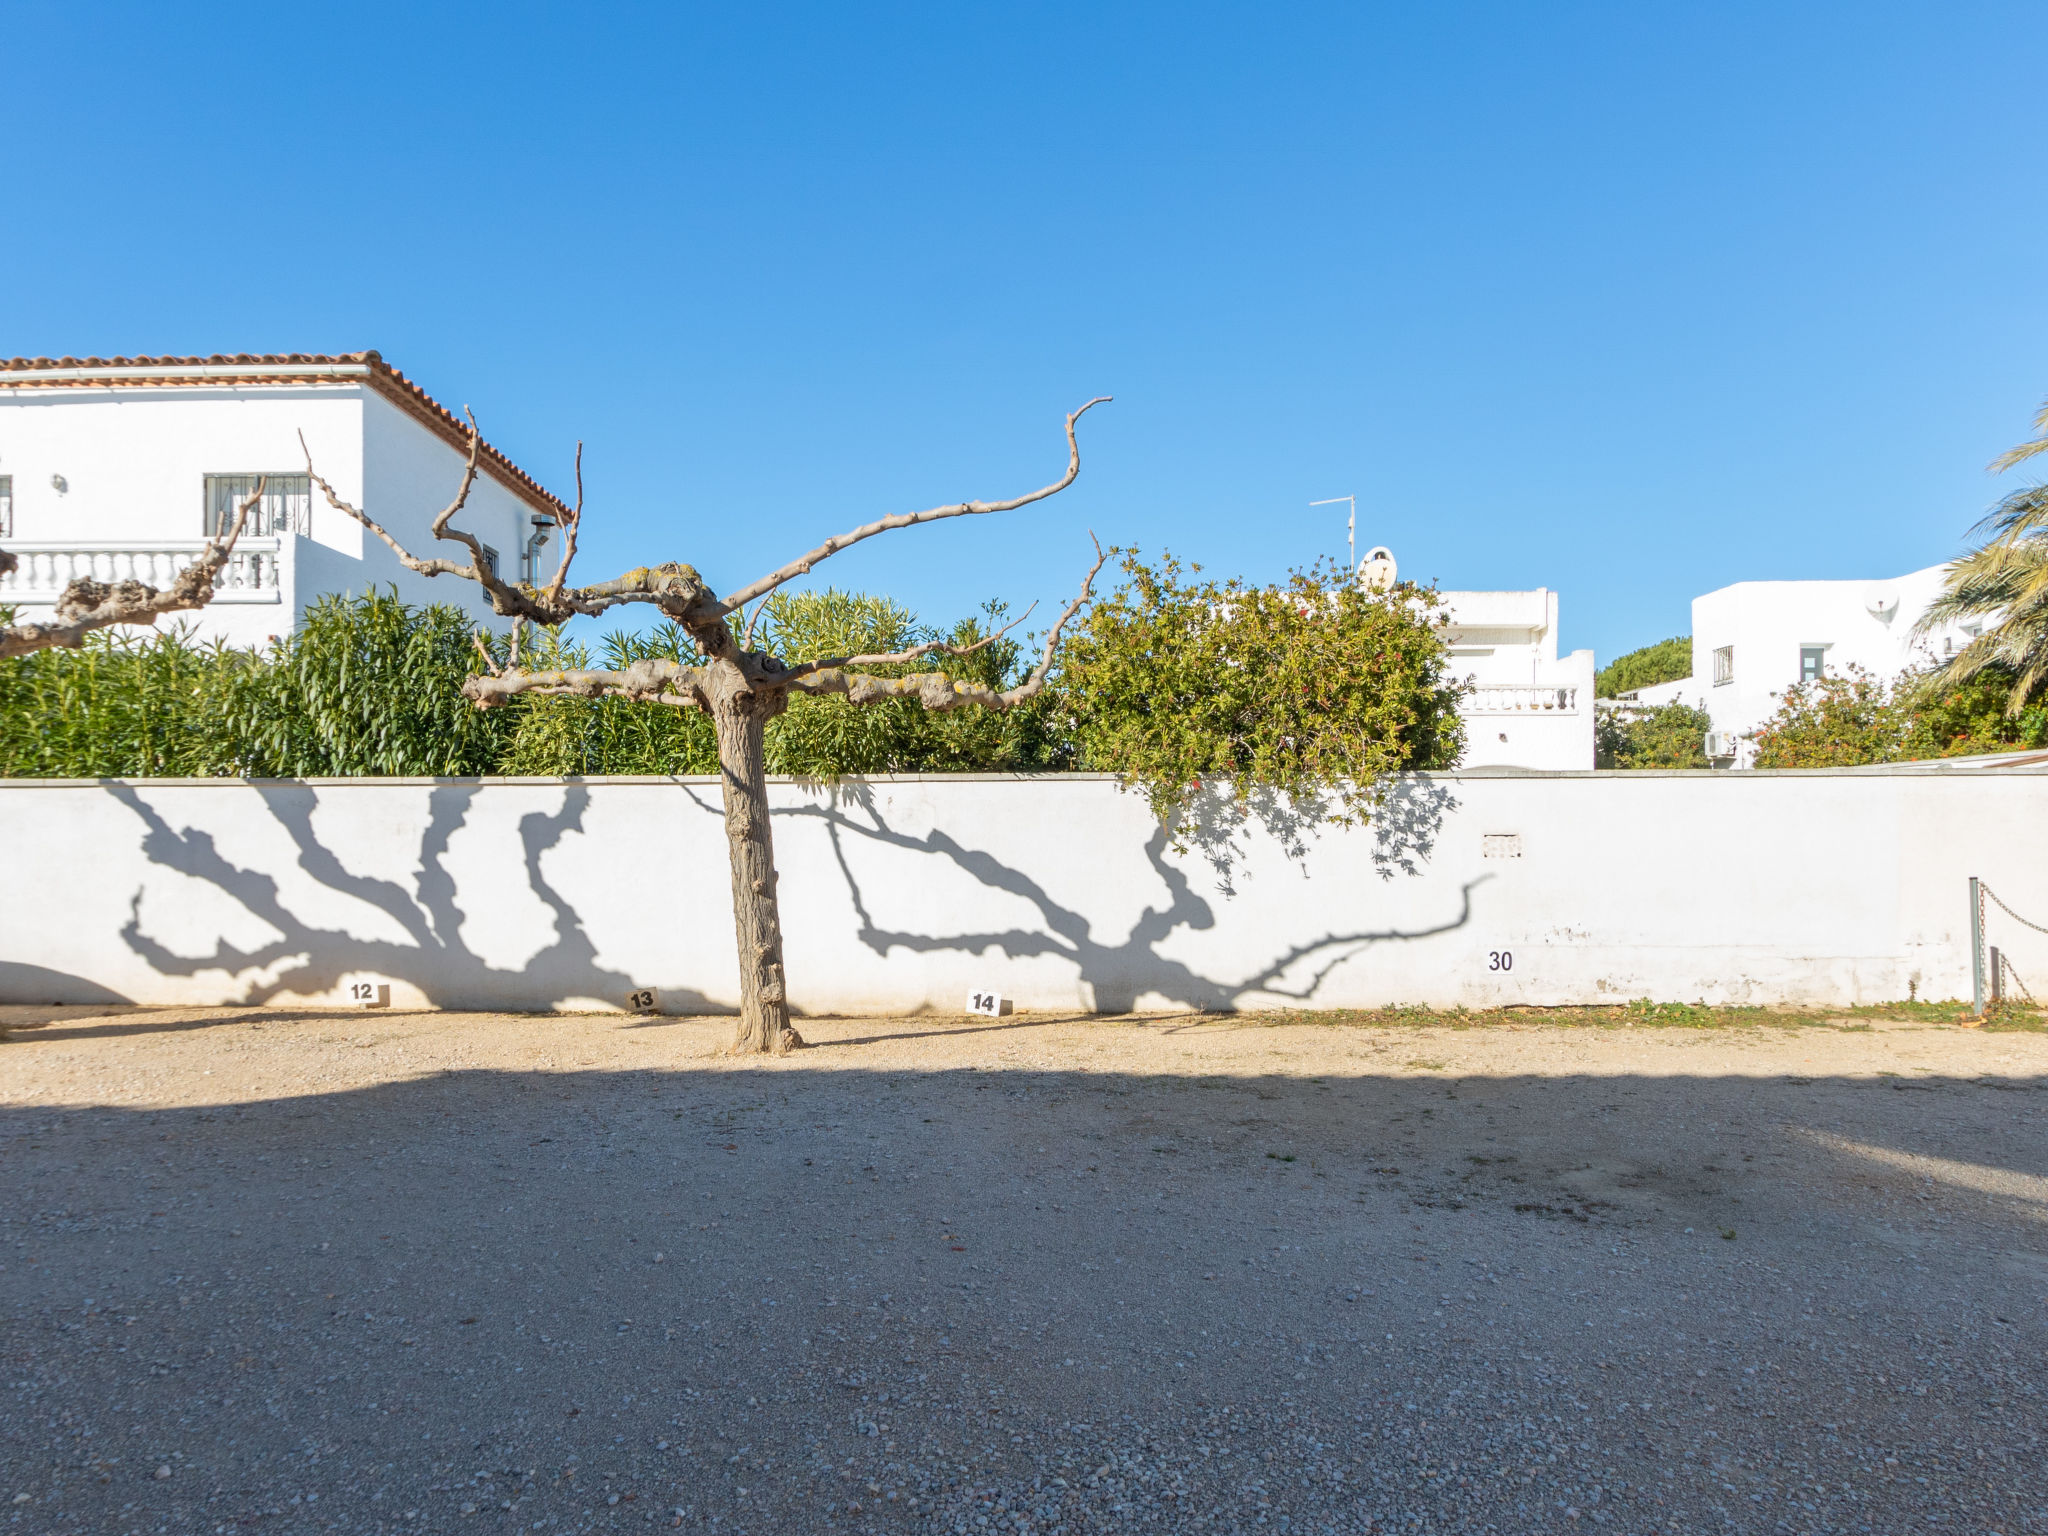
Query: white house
{"points": [[120, 467], [1754, 640], [1528, 707]]}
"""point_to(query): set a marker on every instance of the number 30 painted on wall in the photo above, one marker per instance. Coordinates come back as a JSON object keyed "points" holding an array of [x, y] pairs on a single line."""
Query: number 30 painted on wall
{"points": [[1499, 960]]}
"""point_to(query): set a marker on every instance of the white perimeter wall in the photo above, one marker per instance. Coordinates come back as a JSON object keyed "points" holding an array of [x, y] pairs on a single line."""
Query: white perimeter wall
{"points": [[900, 895]]}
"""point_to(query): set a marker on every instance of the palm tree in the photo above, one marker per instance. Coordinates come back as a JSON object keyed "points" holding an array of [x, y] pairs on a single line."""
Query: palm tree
{"points": [[2003, 583]]}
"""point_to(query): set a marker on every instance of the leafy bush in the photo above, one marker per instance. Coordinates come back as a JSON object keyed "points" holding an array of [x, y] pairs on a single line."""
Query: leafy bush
{"points": [[1667, 736], [827, 737], [1665, 662], [1832, 722], [1855, 719], [554, 735], [373, 686], [368, 686], [1313, 686], [126, 704]]}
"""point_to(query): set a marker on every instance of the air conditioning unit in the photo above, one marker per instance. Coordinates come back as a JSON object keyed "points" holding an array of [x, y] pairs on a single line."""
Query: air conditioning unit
{"points": [[1720, 744]]}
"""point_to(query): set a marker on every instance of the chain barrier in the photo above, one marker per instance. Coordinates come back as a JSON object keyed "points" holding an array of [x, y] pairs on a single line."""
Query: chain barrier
{"points": [[2002, 966], [2005, 966], [1985, 890]]}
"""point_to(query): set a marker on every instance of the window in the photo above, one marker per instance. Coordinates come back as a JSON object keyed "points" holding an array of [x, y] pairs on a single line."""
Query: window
{"points": [[1724, 664], [286, 507], [1813, 663], [6, 506], [490, 558]]}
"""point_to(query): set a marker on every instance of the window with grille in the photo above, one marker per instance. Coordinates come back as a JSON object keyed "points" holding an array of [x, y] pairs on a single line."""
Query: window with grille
{"points": [[286, 507], [1724, 664], [6, 506], [1813, 663]]}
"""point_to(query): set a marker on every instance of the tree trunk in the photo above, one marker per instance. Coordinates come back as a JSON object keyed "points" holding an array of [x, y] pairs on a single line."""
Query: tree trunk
{"points": [[739, 713]]}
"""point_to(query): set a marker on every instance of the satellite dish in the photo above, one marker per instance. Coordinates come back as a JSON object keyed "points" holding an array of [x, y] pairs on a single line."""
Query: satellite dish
{"points": [[1377, 572], [1882, 606]]}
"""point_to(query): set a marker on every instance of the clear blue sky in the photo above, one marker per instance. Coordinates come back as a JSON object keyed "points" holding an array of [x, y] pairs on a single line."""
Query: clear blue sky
{"points": [[1628, 300]]}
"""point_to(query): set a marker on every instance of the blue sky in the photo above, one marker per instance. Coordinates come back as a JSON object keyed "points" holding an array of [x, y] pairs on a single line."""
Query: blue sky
{"points": [[1631, 301]]}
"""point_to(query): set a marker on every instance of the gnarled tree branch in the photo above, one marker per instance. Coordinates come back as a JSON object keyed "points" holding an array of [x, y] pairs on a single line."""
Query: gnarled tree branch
{"points": [[676, 589], [935, 690], [915, 653], [832, 546], [88, 605], [655, 680]]}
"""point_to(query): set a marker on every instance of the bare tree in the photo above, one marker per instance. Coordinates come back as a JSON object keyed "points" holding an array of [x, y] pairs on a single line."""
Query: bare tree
{"points": [[742, 689], [86, 605]]}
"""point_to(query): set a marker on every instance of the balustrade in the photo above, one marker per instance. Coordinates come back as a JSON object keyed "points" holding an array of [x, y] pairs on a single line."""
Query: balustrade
{"points": [[251, 575], [1520, 699]]}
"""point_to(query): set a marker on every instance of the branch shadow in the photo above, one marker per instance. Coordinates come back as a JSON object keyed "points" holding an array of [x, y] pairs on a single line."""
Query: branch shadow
{"points": [[1116, 973], [1406, 818], [433, 956]]}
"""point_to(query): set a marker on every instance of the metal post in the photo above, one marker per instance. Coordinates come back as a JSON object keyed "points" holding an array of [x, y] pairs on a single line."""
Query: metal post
{"points": [[1977, 944], [1351, 527], [1997, 977]]}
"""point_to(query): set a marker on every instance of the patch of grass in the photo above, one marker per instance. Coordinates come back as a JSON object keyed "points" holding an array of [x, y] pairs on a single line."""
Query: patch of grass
{"points": [[1646, 1013], [2009, 1018], [1423, 1064], [1913, 1011], [1281, 1157]]}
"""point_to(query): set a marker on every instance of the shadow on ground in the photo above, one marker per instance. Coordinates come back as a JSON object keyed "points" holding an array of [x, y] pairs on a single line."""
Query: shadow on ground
{"points": [[801, 1298]]}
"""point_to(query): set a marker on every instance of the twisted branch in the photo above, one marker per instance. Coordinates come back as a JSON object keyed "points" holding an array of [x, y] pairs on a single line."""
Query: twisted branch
{"points": [[832, 546], [569, 528], [655, 680], [896, 658], [935, 690], [87, 605], [676, 589]]}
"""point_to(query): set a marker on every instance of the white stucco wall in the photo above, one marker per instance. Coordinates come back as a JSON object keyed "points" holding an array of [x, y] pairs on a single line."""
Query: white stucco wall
{"points": [[1768, 622], [900, 895], [409, 475], [134, 460], [1505, 641]]}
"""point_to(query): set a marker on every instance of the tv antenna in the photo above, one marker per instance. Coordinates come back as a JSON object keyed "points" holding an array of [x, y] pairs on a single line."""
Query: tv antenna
{"points": [[1351, 527]]}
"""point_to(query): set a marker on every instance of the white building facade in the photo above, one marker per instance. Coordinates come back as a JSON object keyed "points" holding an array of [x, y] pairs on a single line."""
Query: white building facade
{"points": [[1527, 706], [121, 467], [1756, 639]]}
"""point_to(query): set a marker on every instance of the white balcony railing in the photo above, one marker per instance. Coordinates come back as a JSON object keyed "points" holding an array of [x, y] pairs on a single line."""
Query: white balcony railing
{"points": [[45, 570], [1521, 699]]}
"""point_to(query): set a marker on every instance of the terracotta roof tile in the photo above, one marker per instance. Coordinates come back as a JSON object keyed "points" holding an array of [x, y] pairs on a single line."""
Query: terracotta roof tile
{"points": [[271, 368]]}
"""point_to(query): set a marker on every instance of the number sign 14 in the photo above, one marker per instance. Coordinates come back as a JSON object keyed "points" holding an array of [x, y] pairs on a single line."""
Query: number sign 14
{"points": [[989, 1003]]}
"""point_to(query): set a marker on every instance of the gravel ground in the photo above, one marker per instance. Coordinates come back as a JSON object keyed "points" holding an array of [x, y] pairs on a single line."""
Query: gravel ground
{"points": [[317, 1272]]}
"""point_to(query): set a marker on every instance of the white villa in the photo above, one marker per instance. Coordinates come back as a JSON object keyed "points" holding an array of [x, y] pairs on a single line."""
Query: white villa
{"points": [[1529, 707], [1755, 639], [120, 467]]}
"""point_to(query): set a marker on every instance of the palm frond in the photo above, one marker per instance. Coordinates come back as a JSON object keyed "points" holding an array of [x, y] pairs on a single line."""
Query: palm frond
{"points": [[2027, 450]]}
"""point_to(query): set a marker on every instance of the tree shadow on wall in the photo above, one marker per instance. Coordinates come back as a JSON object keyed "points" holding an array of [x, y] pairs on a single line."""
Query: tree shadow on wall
{"points": [[1404, 825], [309, 959], [1115, 973]]}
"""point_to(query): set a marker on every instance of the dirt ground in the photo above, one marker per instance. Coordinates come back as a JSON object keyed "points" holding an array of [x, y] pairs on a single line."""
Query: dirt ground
{"points": [[301, 1271]]}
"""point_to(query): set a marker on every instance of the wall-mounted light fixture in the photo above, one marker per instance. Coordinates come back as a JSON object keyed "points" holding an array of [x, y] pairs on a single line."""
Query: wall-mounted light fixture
{"points": [[59, 484]]}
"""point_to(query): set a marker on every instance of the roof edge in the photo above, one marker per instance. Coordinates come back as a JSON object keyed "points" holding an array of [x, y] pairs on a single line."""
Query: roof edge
{"points": [[365, 368]]}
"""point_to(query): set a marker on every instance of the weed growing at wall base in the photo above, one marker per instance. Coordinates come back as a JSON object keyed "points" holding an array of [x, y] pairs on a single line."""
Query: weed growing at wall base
{"points": [[1643, 1013]]}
